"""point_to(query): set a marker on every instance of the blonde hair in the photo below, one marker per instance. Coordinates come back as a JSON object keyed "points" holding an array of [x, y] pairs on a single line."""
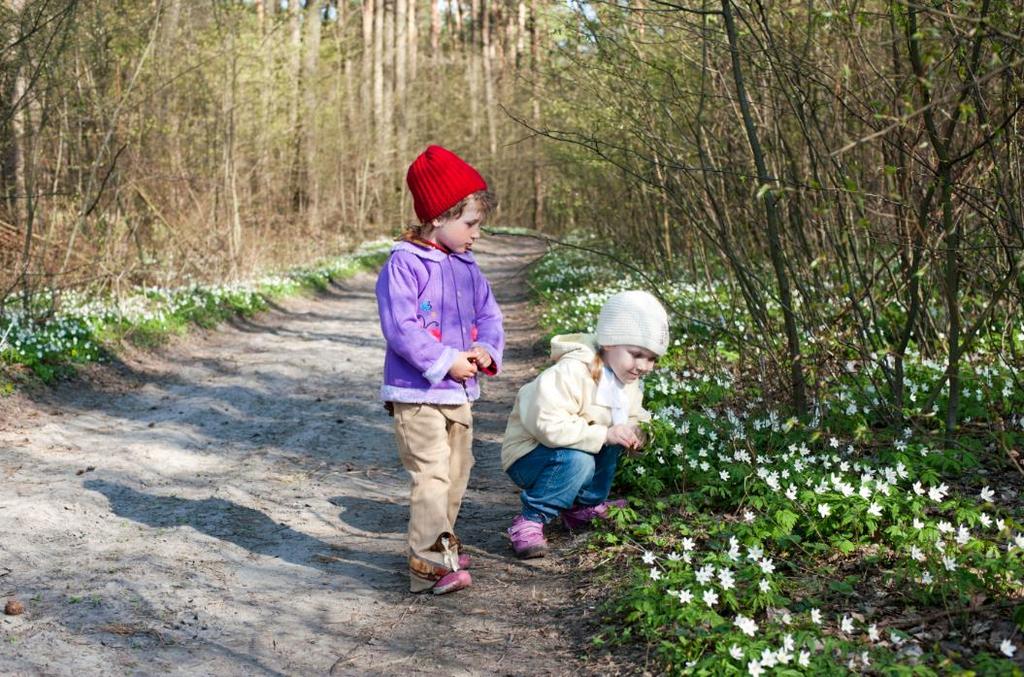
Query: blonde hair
{"points": [[597, 365], [485, 199]]}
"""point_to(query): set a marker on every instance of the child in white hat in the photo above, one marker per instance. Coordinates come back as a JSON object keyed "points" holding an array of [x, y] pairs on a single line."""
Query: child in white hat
{"points": [[570, 424]]}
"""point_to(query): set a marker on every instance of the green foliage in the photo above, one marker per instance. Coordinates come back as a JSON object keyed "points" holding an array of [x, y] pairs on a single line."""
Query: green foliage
{"points": [[78, 330], [757, 542]]}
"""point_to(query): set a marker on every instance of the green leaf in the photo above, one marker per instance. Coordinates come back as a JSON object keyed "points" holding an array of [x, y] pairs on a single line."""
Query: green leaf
{"points": [[842, 587], [845, 546], [786, 519]]}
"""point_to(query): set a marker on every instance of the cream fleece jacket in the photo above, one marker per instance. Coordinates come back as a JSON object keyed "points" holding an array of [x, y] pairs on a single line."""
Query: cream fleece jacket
{"points": [[557, 409]]}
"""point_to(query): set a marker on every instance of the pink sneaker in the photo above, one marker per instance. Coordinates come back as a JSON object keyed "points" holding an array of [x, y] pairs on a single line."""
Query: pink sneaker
{"points": [[527, 538], [452, 581], [464, 560], [582, 515]]}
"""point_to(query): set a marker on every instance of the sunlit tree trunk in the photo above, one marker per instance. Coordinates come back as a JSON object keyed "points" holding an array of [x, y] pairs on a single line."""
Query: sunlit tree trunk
{"points": [[538, 178], [521, 33], [378, 77], [456, 14], [15, 146], [311, 92], [435, 29], [261, 178], [230, 158], [344, 97], [295, 84], [413, 33], [20, 157], [402, 113], [388, 118], [401, 43], [367, 91], [471, 58], [489, 103]]}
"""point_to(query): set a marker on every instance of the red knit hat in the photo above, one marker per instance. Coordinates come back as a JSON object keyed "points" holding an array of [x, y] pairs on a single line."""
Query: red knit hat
{"points": [[438, 179]]}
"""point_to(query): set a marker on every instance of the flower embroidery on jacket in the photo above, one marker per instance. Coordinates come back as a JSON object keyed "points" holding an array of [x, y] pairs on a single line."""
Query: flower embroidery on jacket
{"points": [[430, 324]]}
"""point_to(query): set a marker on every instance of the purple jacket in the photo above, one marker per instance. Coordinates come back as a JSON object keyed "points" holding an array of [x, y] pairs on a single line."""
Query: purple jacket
{"points": [[432, 306]]}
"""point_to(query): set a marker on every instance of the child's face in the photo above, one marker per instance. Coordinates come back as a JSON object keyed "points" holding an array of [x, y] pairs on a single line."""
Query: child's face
{"points": [[629, 363], [459, 234]]}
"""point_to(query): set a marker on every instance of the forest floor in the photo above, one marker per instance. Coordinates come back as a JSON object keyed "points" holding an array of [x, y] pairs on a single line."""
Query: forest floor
{"points": [[233, 504]]}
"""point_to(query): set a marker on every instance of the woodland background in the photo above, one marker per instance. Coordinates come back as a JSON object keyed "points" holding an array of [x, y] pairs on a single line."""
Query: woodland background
{"points": [[847, 175]]}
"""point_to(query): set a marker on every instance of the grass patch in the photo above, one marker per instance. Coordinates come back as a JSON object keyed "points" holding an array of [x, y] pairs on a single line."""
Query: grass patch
{"points": [[78, 329]]}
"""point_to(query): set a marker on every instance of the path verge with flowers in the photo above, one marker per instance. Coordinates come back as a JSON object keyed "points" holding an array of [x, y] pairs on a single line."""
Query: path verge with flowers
{"points": [[233, 504], [841, 542]]}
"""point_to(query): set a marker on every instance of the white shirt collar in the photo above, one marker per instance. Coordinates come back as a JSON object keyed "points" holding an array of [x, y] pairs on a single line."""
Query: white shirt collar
{"points": [[611, 393]]}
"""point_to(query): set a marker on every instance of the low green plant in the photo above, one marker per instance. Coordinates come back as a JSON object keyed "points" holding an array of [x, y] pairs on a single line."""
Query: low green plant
{"points": [[761, 543], [77, 329]]}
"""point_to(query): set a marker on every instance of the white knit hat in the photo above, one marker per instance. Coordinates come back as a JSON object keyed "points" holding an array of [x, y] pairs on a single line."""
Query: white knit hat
{"points": [[633, 318]]}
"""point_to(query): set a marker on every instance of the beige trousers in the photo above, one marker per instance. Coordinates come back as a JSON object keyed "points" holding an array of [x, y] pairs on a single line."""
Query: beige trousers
{"points": [[435, 443]]}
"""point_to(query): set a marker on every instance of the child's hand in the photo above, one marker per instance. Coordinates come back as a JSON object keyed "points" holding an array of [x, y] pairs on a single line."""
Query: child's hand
{"points": [[626, 435], [481, 357], [463, 368]]}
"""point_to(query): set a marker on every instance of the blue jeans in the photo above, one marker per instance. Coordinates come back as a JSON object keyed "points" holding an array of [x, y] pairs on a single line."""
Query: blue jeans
{"points": [[553, 480]]}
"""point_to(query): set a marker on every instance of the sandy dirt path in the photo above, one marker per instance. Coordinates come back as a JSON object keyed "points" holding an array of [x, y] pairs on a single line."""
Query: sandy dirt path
{"points": [[233, 505]]}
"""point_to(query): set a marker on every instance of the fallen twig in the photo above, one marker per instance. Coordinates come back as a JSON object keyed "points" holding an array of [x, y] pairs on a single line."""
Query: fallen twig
{"points": [[125, 630], [508, 645], [1011, 454], [945, 613], [349, 655]]}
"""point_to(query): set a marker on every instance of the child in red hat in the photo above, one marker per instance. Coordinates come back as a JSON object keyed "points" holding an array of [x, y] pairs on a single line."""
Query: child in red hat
{"points": [[442, 327]]}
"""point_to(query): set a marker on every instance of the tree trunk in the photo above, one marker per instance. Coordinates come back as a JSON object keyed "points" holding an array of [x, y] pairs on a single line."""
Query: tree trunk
{"points": [[171, 24], [471, 59], [435, 29], [230, 169], [474, 22], [309, 113], [456, 14], [378, 76], [952, 232], [263, 178], [485, 48], [297, 173], [538, 178], [797, 380], [402, 113], [21, 143], [413, 33], [16, 152], [388, 121], [366, 91], [521, 34], [401, 43]]}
